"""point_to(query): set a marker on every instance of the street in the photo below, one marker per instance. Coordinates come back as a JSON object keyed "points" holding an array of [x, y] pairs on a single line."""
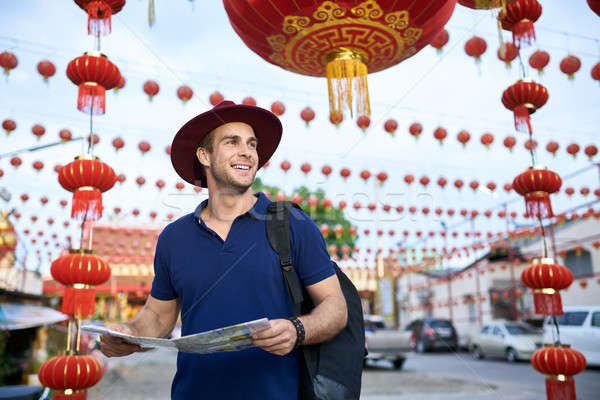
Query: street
{"points": [[429, 376]]}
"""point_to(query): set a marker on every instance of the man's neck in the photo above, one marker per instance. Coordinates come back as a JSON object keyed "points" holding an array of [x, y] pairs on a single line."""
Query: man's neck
{"points": [[224, 207]]}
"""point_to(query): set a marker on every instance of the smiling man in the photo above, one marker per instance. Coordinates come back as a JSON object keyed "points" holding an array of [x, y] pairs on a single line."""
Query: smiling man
{"points": [[217, 266]]}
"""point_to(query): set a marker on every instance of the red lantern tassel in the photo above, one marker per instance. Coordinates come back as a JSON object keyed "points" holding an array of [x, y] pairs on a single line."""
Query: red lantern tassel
{"points": [[560, 388], [522, 121], [91, 97], [99, 18], [523, 33], [79, 302], [75, 395], [87, 203], [547, 302], [538, 205]]}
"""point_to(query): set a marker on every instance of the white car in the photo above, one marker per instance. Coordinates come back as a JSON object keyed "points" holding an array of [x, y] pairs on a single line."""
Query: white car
{"points": [[579, 327], [512, 340]]}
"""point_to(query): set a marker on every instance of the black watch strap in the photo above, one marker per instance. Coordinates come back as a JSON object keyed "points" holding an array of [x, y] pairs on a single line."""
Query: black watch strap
{"points": [[300, 332]]}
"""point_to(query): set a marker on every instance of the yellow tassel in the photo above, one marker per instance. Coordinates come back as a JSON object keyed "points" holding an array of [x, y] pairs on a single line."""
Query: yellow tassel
{"points": [[346, 72], [151, 14]]}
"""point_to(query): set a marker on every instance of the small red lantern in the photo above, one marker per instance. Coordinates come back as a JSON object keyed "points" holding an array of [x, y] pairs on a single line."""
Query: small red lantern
{"points": [[307, 114], [144, 147], [38, 130], [458, 183], [536, 185], [546, 278], [440, 40], [507, 53], [440, 134], [8, 61], [87, 178], [475, 47], [345, 173], [523, 99], [151, 88], [390, 126], [559, 364], [415, 129], [65, 135], [118, 143], [9, 125], [474, 185], [442, 182], [93, 73], [381, 177], [518, 17], [179, 186], [590, 151], [408, 178], [531, 144], [573, 149], [424, 181], [326, 170], [120, 85], [552, 147], [305, 167], [285, 166], [99, 14], [363, 122], [185, 93], [336, 118], [487, 139], [277, 108], [160, 184], [215, 98], [509, 142], [38, 165], [365, 175], [46, 69], [249, 101], [463, 137], [595, 72], [538, 60], [491, 186], [570, 65]]}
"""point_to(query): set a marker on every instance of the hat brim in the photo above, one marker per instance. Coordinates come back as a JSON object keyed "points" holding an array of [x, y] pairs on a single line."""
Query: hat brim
{"points": [[267, 129]]}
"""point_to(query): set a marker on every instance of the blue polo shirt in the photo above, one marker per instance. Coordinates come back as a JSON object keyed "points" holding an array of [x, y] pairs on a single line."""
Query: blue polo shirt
{"points": [[221, 283]]}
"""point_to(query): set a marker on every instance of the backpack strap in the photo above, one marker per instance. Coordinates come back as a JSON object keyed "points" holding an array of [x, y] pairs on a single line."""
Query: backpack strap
{"points": [[278, 234]]}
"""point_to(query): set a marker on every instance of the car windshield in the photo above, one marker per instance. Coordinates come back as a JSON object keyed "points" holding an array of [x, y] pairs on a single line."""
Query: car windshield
{"points": [[520, 329], [440, 324]]}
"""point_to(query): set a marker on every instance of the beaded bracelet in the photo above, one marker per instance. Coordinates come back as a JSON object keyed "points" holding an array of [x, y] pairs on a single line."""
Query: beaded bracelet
{"points": [[300, 332]]}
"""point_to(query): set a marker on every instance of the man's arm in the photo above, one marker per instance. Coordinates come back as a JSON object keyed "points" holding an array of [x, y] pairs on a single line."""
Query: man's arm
{"points": [[156, 319], [326, 320]]}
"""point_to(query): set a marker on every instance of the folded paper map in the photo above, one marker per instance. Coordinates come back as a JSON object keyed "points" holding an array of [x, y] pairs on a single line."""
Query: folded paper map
{"points": [[230, 338]]}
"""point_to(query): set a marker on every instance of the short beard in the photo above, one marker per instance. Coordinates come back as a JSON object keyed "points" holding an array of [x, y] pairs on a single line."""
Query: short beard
{"points": [[224, 181]]}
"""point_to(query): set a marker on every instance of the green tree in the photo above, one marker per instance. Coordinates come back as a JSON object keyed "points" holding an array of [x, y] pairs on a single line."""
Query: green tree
{"points": [[321, 213]]}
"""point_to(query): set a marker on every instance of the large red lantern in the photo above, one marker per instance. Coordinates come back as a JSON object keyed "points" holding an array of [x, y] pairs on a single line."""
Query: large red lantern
{"points": [[341, 41], [93, 73], [538, 60], [481, 4], [518, 17], [523, 99], [536, 185], [99, 14], [87, 178], [71, 374], [79, 270], [46, 69], [546, 279], [559, 364]]}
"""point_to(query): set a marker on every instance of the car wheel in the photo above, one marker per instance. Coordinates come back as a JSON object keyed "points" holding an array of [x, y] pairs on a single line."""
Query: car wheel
{"points": [[398, 363], [511, 355], [421, 347], [477, 354]]}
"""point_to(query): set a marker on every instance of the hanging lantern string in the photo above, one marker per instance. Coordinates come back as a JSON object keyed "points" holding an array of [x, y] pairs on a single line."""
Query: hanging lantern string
{"points": [[522, 66], [557, 330]]}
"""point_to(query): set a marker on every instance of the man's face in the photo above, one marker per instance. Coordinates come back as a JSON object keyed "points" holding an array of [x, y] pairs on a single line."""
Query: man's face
{"points": [[233, 161]]}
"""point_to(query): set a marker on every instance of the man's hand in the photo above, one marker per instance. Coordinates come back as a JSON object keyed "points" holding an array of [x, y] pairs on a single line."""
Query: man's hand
{"points": [[112, 346], [278, 339]]}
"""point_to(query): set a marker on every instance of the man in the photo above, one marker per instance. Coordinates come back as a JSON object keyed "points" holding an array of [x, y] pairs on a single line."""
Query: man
{"points": [[217, 266]]}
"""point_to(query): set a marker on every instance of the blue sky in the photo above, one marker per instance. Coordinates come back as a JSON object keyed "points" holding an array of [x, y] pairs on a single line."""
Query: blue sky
{"points": [[194, 43]]}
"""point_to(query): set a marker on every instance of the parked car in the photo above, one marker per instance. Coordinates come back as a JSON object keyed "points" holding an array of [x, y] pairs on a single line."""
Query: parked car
{"points": [[383, 342], [512, 340], [579, 327], [423, 335]]}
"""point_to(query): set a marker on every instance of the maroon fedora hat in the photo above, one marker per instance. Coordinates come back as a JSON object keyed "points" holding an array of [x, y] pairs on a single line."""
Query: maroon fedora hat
{"points": [[267, 128]]}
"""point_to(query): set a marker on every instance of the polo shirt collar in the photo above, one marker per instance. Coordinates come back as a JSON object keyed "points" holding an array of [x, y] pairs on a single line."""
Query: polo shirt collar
{"points": [[258, 211]]}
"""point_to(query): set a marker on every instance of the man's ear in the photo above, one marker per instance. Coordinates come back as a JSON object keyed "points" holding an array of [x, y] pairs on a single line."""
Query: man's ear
{"points": [[202, 155]]}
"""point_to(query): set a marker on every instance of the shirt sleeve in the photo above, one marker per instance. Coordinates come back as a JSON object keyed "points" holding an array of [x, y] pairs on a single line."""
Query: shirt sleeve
{"points": [[309, 252], [162, 287]]}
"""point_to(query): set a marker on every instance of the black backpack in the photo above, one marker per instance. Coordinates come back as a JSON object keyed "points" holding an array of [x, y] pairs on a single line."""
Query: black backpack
{"points": [[331, 370]]}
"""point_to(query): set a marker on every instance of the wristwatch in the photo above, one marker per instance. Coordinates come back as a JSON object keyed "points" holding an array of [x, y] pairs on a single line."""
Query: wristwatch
{"points": [[300, 332]]}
